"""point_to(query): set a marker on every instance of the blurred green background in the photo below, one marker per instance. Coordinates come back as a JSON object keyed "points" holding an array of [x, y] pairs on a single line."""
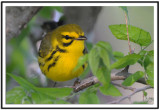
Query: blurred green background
{"points": [[21, 51]]}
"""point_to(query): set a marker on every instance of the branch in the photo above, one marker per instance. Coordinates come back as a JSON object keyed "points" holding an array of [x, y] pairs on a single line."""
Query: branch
{"points": [[126, 74], [124, 87], [122, 75], [129, 96], [17, 18], [91, 81]]}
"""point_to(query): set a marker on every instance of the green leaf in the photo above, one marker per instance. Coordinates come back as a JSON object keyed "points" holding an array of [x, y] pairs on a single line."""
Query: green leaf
{"points": [[38, 98], [93, 88], [105, 45], [141, 60], [15, 95], [55, 92], [125, 61], [89, 45], [111, 90], [17, 62], [58, 8], [47, 11], [147, 58], [150, 74], [26, 100], [124, 8], [81, 61], [61, 102], [145, 93], [88, 98], [136, 35], [94, 60], [103, 75], [105, 52], [24, 83], [133, 78], [118, 54], [105, 57]]}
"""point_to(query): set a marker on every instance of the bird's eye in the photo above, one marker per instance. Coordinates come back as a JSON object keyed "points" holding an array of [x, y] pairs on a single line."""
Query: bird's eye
{"points": [[66, 37]]}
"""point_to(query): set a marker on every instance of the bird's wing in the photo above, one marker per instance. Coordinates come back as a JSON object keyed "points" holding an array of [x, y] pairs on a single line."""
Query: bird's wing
{"points": [[46, 46]]}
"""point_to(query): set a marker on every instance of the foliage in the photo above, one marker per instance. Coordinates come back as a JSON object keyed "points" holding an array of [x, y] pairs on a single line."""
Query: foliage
{"points": [[136, 35], [89, 96], [101, 60], [36, 94], [111, 90], [46, 12], [125, 61], [133, 78]]}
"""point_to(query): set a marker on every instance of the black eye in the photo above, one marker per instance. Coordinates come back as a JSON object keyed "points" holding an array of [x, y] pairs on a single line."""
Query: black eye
{"points": [[67, 37]]}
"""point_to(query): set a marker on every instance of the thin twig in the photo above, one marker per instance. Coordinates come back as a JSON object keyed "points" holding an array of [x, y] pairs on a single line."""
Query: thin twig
{"points": [[129, 96], [124, 87], [114, 77], [130, 50], [145, 47]]}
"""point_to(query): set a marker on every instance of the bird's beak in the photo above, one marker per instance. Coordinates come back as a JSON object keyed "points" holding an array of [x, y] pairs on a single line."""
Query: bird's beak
{"points": [[81, 38]]}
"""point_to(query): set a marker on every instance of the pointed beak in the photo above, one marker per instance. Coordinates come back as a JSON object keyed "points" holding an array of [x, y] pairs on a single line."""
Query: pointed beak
{"points": [[81, 38]]}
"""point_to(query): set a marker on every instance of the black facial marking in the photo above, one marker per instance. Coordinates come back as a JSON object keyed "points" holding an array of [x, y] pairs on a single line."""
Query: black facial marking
{"points": [[67, 44], [67, 37], [60, 50]]}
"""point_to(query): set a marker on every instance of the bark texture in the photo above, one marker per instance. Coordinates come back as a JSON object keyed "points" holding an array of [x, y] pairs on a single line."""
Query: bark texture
{"points": [[17, 18]]}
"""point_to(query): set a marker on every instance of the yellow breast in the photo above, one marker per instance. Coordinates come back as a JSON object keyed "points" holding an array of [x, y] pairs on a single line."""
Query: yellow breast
{"points": [[60, 67], [59, 52]]}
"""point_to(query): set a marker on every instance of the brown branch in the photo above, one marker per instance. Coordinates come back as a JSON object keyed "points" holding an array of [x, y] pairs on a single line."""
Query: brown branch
{"points": [[129, 96], [122, 75], [91, 81]]}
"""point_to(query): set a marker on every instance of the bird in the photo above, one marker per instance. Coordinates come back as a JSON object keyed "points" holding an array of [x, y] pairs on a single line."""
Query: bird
{"points": [[59, 52]]}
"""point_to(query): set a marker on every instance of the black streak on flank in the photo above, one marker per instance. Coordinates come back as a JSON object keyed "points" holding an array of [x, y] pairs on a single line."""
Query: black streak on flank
{"points": [[60, 50], [83, 67], [51, 55], [67, 44], [40, 64], [54, 63]]}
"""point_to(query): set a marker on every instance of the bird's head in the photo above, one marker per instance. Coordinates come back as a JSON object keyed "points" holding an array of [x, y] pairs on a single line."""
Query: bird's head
{"points": [[70, 35]]}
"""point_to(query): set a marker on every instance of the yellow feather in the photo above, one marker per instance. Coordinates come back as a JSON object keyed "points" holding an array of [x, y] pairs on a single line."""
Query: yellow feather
{"points": [[63, 53]]}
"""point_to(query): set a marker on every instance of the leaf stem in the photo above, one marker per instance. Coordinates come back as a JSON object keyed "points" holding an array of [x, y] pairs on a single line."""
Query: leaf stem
{"points": [[146, 46], [130, 50]]}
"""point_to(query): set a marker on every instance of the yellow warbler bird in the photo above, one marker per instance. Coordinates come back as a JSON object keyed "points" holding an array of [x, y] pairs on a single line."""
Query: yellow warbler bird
{"points": [[59, 52]]}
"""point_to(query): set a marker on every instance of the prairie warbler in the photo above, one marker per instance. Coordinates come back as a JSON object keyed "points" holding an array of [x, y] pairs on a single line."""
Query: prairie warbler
{"points": [[59, 52]]}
